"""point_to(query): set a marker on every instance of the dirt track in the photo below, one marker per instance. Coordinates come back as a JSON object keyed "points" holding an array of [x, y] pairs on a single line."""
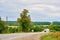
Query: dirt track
{"points": [[22, 36], [32, 37]]}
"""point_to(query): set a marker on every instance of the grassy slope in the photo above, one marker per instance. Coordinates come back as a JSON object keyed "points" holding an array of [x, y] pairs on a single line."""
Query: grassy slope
{"points": [[51, 36]]}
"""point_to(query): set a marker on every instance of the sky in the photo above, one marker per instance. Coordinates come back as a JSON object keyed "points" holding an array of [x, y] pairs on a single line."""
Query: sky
{"points": [[39, 10]]}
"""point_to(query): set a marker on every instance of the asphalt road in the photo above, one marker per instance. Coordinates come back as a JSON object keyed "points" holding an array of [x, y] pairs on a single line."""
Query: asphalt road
{"points": [[16, 35]]}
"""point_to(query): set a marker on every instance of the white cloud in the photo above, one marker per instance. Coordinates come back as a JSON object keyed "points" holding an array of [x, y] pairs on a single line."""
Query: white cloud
{"points": [[53, 14], [38, 8], [43, 6], [38, 1], [44, 12], [2, 1]]}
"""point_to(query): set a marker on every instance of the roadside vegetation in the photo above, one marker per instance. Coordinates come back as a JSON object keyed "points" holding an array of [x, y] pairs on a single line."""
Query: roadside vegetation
{"points": [[3, 26], [51, 36]]}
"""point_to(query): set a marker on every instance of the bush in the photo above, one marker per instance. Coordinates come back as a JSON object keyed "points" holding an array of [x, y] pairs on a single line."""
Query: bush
{"points": [[3, 27], [54, 28], [19, 29], [12, 30], [57, 34], [38, 28]]}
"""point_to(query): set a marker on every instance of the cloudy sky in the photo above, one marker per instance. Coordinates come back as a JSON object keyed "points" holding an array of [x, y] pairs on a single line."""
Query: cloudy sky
{"points": [[39, 10]]}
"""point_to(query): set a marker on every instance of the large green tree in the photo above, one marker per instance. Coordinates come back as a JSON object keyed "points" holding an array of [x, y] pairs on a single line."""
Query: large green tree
{"points": [[25, 21]]}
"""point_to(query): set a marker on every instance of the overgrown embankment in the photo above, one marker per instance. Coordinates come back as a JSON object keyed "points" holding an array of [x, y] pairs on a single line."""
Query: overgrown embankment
{"points": [[51, 36]]}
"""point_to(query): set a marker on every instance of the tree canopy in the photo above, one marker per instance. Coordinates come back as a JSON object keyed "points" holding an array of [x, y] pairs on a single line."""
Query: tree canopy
{"points": [[25, 20], [2, 26]]}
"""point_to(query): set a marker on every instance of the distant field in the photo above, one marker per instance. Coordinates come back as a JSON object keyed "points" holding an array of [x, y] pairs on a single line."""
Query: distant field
{"points": [[13, 26]]}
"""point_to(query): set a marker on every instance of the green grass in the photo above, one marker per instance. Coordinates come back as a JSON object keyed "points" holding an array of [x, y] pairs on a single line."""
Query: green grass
{"points": [[51, 36]]}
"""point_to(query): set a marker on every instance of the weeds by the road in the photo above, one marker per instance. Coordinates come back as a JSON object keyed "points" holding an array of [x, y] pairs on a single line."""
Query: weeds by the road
{"points": [[51, 36]]}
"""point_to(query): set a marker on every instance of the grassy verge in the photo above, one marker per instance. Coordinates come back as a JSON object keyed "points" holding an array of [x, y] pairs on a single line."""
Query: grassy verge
{"points": [[51, 36]]}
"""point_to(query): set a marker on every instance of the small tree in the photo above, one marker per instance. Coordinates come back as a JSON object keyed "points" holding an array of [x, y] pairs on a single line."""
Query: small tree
{"points": [[24, 20], [3, 27]]}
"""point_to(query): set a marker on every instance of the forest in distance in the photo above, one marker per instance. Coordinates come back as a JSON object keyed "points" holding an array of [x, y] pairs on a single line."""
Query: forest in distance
{"points": [[14, 23]]}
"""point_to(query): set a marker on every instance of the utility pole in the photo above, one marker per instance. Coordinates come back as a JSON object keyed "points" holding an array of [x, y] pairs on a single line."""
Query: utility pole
{"points": [[0, 18], [7, 22], [6, 18], [51, 23]]}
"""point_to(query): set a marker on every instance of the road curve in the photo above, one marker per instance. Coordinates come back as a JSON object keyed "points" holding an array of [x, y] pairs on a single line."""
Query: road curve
{"points": [[19, 36]]}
